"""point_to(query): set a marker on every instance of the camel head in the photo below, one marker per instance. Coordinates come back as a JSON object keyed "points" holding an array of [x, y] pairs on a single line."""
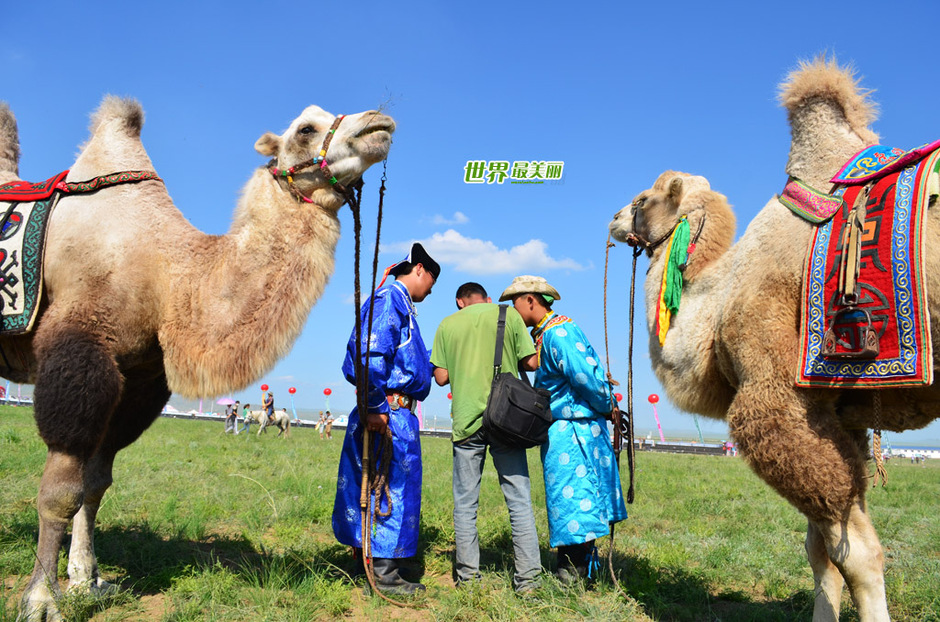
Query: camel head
{"points": [[651, 217], [653, 213], [359, 141]]}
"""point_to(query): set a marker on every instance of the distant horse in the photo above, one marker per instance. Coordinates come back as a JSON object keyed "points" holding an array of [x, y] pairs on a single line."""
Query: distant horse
{"points": [[281, 420]]}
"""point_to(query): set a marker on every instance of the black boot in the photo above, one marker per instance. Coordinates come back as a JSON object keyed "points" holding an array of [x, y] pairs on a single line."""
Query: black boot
{"points": [[359, 570], [387, 579], [573, 562]]}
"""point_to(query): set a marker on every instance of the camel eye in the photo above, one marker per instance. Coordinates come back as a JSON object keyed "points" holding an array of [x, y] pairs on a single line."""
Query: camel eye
{"points": [[638, 202], [307, 130]]}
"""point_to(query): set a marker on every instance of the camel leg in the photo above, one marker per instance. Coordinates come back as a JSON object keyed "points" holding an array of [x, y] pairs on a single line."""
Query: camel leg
{"points": [[145, 393], [854, 547], [83, 564], [800, 449], [826, 575], [77, 387], [60, 496]]}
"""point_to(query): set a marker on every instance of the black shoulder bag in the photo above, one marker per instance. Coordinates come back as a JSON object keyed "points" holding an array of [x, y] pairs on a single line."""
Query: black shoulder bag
{"points": [[517, 414]]}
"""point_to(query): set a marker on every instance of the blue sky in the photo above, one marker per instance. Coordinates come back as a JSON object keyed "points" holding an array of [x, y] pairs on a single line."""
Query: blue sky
{"points": [[617, 91]]}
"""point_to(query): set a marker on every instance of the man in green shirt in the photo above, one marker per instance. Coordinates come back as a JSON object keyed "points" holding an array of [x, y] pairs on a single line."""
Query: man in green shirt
{"points": [[463, 356]]}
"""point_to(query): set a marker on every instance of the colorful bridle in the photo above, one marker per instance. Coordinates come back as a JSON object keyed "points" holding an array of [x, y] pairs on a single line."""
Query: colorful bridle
{"points": [[320, 159], [641, 244]]}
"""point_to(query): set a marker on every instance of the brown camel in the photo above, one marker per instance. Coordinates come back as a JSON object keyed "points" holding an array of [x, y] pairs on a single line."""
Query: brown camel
{"points": [[732, 349], [138, 303]]}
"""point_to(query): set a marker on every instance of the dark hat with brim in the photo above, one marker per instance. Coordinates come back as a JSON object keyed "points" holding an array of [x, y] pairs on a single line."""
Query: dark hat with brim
{"points": [[417, 255]]}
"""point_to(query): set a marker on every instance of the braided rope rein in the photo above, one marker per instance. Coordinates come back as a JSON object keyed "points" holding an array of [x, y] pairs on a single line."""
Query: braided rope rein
{"points": [[374, 476], [624, 425]]}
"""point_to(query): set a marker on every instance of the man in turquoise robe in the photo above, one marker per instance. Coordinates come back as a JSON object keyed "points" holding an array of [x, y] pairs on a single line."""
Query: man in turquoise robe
{"points": [[582, 482]]}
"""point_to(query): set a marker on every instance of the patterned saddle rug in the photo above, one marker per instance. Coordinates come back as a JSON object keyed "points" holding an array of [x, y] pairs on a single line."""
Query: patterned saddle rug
{"points": [[25, 209], [892, 289], [878, 161]]}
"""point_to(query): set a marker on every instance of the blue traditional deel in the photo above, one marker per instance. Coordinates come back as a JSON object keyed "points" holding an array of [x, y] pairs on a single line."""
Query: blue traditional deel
{"points": [[398, 361]]}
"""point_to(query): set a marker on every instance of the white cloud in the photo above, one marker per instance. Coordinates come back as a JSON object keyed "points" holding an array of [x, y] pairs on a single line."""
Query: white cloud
{"points": [[484, 257], [458, 218]]}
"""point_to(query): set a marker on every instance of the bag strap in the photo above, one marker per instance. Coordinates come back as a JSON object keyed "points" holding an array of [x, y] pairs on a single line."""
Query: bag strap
{"points": [[500, 332], [498, 355]]}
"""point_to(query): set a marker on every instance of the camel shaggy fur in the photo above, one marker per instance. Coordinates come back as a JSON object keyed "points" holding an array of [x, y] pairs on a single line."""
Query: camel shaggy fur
{"points": [[732, 349], [281, 420], [138, 303]]}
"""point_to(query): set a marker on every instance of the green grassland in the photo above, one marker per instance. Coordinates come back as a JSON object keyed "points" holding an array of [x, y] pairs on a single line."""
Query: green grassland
{"points": [[205, 526]]}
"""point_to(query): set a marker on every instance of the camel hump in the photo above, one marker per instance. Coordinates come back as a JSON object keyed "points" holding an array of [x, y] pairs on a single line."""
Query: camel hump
{"points": [[9, 141], [124, 110], [822, 78]]}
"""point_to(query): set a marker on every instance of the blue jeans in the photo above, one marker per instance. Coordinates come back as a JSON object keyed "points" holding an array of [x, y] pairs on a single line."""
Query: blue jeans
{"points": [[513, 472]]}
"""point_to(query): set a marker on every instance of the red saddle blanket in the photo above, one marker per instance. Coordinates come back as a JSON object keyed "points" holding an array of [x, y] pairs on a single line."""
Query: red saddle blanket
{"points": [[29, 191], [891, 283], [21, 191]]}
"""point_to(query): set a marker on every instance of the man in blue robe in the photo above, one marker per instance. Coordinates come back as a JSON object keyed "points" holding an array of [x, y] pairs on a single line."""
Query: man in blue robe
{"points": [[582, 483], [399, 376]]}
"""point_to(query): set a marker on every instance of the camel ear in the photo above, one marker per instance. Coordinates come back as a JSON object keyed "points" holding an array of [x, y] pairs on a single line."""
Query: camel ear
{"points": [[268, 145], [674, 193]]}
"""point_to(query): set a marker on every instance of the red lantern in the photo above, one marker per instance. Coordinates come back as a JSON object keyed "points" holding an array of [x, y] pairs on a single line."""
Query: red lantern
{"points": [[264, 387], [327, 391], [618, 396], [653, 398], [450, 396], [292, 390]]}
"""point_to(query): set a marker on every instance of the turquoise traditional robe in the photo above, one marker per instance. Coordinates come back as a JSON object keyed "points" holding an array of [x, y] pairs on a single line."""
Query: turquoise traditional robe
{"points": [[582, 482]]}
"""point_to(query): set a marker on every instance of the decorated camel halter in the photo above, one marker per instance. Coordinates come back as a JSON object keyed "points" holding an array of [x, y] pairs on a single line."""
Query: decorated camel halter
{"points": [[680, 245], [636, 240], [320, 159]]}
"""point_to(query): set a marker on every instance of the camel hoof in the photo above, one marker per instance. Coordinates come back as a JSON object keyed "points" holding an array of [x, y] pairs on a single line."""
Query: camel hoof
{"points": [[98, 588], [39, 605]]}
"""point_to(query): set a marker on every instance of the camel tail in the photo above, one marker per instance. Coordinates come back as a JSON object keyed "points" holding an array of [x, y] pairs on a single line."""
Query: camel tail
{"points": [[125, 111], [823, 78], [9, 141]]}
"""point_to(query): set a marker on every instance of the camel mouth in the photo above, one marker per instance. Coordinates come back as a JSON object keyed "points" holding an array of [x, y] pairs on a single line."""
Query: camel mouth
{"points": [[376, 128], [377, 123], [623, 236], [620, 229]]}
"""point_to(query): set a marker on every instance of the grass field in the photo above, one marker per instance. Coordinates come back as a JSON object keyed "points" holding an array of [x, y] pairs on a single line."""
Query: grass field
{"points": [[205, 526]]}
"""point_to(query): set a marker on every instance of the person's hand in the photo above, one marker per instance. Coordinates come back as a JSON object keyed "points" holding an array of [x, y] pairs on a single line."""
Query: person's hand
{"points": [[376, 422], [613, 415]]}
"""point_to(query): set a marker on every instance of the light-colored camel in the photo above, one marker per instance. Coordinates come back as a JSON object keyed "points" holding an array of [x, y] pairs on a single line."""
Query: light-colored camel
{"points": [[732, 349], [138, 303], [281, 420]]}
